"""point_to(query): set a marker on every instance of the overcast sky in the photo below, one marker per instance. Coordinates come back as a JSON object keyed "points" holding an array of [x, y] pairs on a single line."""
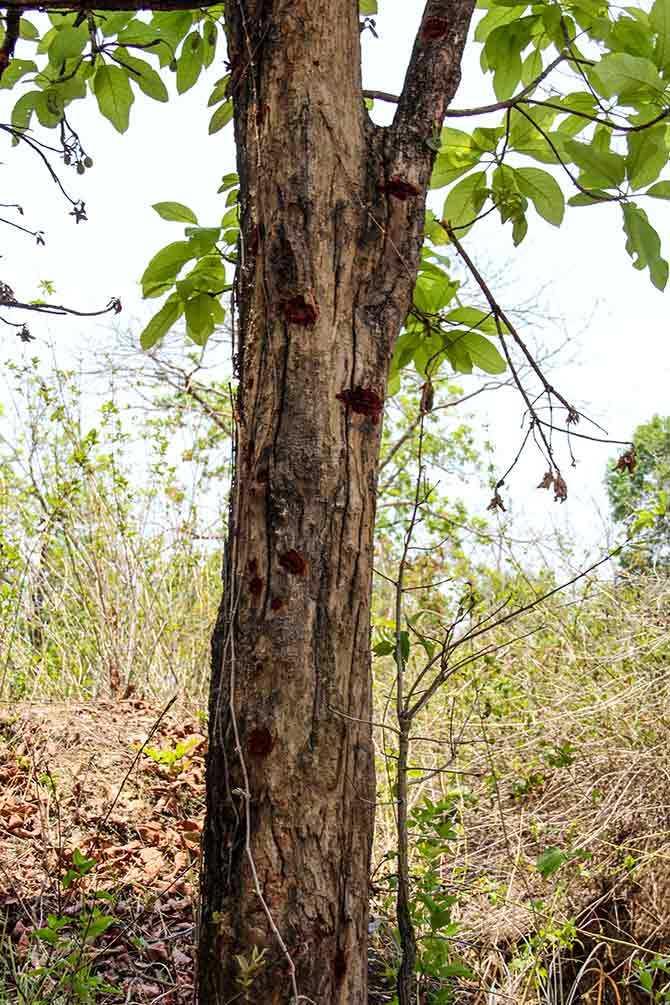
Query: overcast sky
{"points": [[617, 367]]}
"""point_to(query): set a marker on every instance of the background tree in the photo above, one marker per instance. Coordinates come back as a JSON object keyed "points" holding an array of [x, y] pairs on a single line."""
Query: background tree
{"points": [[639, 493], [325, 228]]}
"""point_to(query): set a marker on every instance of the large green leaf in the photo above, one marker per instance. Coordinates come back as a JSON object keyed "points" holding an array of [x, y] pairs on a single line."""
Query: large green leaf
{"points": [[143, 74], [643, 244], [600, 168], [17, 68], [176, 212], [161, 322], [483, 353], [199, 319], [221, 117], [473, 317], [114, 94], [465, 200], [619, 73], [661, 190], [456, 156], [165, 266], [544, 192], [189, 64], [660, 21], [434, 289], [647, 156], [68, 43]]}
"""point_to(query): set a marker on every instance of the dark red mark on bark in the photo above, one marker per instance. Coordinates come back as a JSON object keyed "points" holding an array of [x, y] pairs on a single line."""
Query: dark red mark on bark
{"points": [[252, 566], [434, 28], [256, 586], [400, 189], [293, 562], [363, 401], [254, 240], [340, 965], [260, 742], [298, 312], [277, 603]]}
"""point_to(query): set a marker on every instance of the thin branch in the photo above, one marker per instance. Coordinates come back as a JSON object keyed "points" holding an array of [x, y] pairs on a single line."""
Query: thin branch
{"points": [[60, 310]]}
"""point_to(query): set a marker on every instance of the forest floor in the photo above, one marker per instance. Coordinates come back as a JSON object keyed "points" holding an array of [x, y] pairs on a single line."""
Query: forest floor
{"points": [[101, 809], [101, 812]]}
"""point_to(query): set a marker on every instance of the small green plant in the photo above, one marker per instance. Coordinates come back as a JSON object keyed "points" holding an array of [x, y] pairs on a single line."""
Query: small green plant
{"points": [[649, 973], [249, 968], [79, 867], [66, 976], [172, 758]]}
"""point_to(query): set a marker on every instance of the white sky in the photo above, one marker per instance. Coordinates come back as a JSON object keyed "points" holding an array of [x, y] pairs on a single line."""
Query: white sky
{"points": [[617, 368]]}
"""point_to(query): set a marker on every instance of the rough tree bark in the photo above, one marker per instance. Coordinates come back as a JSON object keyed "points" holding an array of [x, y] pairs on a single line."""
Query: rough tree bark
{"points": [[332, 215]]}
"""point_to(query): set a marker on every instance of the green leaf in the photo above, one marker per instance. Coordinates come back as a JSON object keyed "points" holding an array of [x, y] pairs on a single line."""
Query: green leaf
{"points": [[219, 91], [600, 168], [643, 244], [483, 353], [593, 198], [661, 190], [161, 322], [49, 107], [165, 266], [543, 191], [199, 320], [68, 44], [189, 64], [502, 53], [659, 18], [221, 117], [531, 68], [144, 75], [27, 30], [113, 92], [112, 24], [95, 925], [465, 200], [475, 318], [367, 7], [525, 136], [176, 212], [208, 276], [202, 239], [456, 156], [647, 156], [619, 73], [434, 289], [457, 354], [23, 109], [550, 861], [209, 40], [17, 69]]}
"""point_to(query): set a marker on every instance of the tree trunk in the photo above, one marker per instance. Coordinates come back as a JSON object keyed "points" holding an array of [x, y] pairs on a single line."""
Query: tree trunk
{"points": [[332, 211]]}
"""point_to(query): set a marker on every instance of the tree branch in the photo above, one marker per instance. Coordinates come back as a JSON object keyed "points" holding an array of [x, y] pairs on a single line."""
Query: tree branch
{"points": [[109, 5], [434, 71]]}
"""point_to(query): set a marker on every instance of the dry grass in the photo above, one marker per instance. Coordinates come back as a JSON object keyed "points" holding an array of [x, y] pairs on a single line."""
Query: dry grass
{"points": [[560, 742]]}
